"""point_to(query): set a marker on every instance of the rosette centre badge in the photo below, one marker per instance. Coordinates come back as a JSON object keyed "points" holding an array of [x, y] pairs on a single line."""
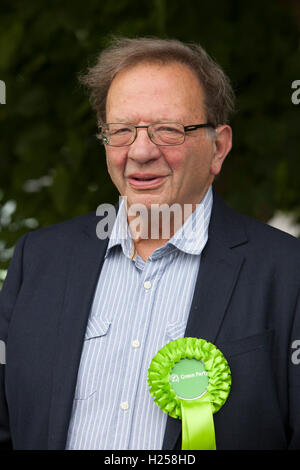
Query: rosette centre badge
{"points": [[190, 379]]}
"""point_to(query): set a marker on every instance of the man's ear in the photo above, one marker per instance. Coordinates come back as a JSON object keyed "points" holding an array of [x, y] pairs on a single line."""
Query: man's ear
{"points": [[223, 144]]}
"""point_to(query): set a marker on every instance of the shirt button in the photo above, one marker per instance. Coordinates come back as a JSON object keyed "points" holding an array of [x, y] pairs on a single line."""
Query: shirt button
{"points": [[135, 343], [124, 405], [147, 285]]}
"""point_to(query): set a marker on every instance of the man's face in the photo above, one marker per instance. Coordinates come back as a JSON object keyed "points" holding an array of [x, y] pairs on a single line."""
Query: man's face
{"points": [[150, 93]]}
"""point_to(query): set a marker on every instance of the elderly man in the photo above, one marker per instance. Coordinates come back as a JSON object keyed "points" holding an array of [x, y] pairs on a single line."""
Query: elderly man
{"points": [[82, 316]]}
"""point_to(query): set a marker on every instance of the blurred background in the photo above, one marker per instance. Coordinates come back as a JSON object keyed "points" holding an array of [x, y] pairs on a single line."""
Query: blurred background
{"points": [[52, 167]]}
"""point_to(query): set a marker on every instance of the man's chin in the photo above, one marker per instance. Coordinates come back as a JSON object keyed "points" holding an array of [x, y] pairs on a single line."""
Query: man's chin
{"points": [[145, 201]]}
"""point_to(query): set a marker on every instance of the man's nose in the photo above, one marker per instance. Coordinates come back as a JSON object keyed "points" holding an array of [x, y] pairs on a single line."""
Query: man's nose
{"points": [[143, 149]]}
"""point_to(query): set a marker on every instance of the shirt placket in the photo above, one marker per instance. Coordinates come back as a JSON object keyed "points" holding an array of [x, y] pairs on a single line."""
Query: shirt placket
{"points": [[143, 300]]}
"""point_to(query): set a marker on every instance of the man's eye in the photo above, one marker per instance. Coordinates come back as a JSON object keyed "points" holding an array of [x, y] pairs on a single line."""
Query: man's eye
{"points": [[122, 130], [170, 130]]}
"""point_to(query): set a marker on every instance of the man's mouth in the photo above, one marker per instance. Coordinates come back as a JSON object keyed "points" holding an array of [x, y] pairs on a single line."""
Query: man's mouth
{"points": [[145, 180]]}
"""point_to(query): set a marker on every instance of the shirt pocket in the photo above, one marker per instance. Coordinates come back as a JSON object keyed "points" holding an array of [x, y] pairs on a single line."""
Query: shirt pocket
{"points": [[89, 374]]}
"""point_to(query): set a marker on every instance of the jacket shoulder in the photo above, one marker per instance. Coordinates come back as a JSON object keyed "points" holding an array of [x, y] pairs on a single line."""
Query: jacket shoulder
{"points": [[59, 239], [264, 232], [254, 238]]}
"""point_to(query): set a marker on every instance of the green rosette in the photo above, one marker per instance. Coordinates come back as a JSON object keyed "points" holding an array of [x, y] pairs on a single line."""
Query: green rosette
{"points": [[195, 395]]}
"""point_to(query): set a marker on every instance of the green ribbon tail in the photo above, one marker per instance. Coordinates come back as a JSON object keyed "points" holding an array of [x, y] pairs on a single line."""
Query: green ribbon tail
{"points": [[198, 431]]}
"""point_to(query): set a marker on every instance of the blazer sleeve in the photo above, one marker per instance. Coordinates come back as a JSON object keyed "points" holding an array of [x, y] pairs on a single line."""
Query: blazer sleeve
{"points": [[8, 297], [294, 381]]}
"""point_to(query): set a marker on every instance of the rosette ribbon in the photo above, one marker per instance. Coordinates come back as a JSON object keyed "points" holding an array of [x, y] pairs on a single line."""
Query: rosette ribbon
{"points": [[190, 379]]}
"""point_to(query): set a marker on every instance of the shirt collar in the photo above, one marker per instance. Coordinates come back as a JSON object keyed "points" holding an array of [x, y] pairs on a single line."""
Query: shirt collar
{"points": [[120, 234], [190, 238]]}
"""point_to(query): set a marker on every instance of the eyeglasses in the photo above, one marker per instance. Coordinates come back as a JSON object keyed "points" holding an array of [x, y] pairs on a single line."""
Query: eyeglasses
{"points": [[162, 133]]}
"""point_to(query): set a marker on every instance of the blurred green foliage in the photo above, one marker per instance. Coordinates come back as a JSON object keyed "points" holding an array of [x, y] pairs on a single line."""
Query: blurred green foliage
{"points": [[52, 167]]}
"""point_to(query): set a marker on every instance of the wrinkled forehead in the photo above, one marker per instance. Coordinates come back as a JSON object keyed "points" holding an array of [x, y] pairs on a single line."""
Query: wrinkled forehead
{"points": [[166, 88]]}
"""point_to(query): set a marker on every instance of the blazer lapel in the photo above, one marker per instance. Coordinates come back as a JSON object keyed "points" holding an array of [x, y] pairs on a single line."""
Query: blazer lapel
{"points": [[85, 266], [218, 273]]}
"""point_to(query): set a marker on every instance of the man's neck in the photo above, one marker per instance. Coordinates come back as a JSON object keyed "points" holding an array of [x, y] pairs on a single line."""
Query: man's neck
{"points": [[145, 248], [153, 229]]}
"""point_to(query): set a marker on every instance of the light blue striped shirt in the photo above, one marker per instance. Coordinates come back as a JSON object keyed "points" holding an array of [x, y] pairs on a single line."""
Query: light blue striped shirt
{"points": [[138, 307]]}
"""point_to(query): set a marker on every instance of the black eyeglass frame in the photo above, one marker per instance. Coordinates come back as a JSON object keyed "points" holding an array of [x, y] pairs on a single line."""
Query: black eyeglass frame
{"points": [[189, 128]]}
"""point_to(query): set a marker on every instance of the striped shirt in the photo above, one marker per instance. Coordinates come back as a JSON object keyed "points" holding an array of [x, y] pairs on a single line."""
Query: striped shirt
{"points": [[138, 307]]}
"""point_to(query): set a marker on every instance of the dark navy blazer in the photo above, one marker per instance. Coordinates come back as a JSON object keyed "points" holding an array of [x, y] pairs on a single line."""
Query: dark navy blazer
{"points": [[246, 302]]}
